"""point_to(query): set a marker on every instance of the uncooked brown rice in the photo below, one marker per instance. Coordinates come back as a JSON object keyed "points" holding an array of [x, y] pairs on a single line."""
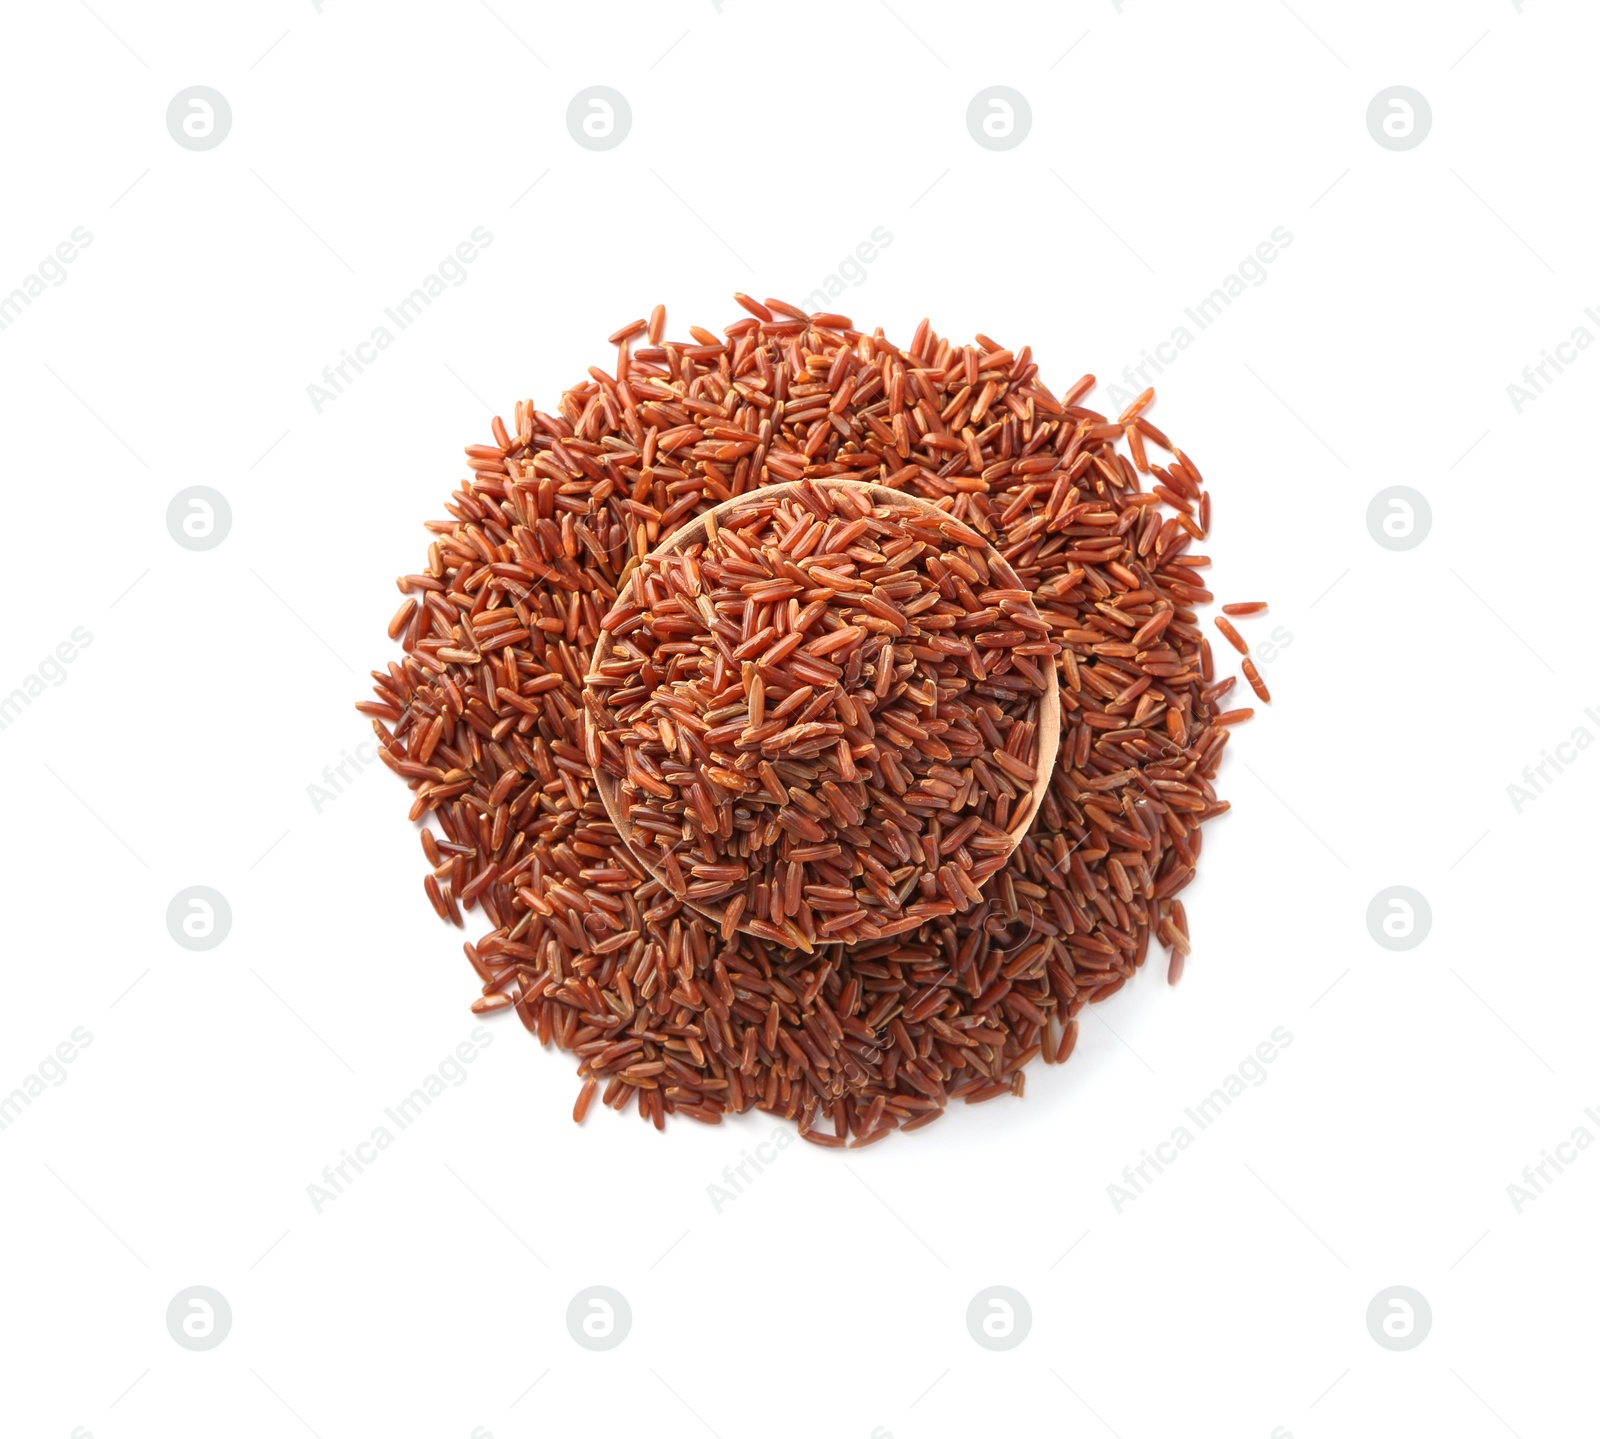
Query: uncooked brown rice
{"points": [[1232, 635], [798, 710], [483, 717]]}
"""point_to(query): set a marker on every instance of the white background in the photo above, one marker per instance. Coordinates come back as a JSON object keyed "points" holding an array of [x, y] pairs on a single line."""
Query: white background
{"points": [[767, 141]]}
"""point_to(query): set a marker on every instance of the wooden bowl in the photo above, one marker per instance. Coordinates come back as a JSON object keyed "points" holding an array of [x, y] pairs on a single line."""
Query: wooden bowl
{"points": [[694, 533]]}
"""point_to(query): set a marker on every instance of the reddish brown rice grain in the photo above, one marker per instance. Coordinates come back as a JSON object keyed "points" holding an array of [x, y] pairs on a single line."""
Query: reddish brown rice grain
{"points": [[485, 704], [1259, 685], [1246, 607], [1137, 407], [402, 617], [1232, 635]]}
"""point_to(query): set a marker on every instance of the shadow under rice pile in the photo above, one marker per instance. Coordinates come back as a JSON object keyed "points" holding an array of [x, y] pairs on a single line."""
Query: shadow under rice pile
{"points": [[665, 1009]]}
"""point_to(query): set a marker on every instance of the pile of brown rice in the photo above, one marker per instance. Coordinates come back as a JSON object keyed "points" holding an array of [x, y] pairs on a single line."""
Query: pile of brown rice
{"points": [[485, 718]]}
